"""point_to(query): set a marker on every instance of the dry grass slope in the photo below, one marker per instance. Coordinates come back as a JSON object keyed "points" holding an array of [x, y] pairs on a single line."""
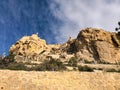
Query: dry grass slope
{"points": [[24, 80]]}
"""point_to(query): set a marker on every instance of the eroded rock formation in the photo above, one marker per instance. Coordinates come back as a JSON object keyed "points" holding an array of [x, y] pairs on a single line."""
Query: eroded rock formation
{"points": [[94, 44], [91, 44], [28, 45]]}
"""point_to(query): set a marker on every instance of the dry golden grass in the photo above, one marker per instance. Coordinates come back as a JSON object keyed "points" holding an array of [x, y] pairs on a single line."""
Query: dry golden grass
{"points": [[24, 80]]}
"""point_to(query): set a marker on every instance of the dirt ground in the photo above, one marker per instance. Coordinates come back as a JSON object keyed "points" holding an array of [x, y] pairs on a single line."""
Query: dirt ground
{"points": [[72, 80]]}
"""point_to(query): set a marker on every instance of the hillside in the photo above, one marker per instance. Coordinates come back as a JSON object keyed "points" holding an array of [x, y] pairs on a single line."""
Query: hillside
{"points": [[89, 62]]}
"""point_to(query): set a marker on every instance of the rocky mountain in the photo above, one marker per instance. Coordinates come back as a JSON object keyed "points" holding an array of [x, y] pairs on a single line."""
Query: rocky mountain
{"points": [[92, 45]]}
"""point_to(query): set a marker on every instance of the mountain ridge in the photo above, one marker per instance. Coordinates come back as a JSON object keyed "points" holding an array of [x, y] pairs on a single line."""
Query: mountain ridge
{"points": [[92, 44]]}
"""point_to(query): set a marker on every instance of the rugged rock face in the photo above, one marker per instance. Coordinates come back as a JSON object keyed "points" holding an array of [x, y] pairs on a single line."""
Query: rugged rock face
{"points": [[32, 48], [28, 45], [94, 44], [91, 44]]}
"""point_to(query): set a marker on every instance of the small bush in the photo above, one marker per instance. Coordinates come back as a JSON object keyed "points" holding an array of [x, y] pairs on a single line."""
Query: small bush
{"points": [[85, 68], [52, 65], [72, 62], [88, 62], [113, 70], [8, 62], [104, 62], [11, 57], [17, 66], [110, 70], [118, 71], [117, 63], [7, 59], [98, 68]]}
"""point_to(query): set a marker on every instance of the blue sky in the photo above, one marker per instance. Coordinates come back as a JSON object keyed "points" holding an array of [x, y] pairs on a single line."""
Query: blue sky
{"points": [[25, 17], [54, 20]]}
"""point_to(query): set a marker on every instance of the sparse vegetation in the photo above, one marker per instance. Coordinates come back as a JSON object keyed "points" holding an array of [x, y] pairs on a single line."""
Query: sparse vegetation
{"points": [[117, 63], [72, 62], [5, 60], [104, 62], [51, 65], [8, 62], [112, 70], [86, 61], [85, 68], [17, 66]]}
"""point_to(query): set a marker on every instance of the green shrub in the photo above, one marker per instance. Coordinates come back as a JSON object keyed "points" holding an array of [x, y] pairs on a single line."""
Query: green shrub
{"points": [[52, 65], [85, 68], [104, 62], [118, 71], [112, 70], [72, 62], [88, 62], [8, 62], [117, 63], [7, 59], [17, 66], [11, 57]]}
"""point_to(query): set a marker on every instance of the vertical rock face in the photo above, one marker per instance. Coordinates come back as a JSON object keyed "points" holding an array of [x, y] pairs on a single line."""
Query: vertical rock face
{"points": [[94, 44], [28, 45]]}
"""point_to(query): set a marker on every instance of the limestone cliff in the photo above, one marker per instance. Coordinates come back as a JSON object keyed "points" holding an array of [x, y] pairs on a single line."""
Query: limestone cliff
{"points": [[91, 44]]}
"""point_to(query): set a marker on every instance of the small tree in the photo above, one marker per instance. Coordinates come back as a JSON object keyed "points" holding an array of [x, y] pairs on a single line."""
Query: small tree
{"points": [[118, 28]]}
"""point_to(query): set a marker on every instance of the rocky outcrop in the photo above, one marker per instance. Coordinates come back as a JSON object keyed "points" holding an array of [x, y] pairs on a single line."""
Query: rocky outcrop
{"points": [[28, 45], [94, 44], [28, 48], [91, 44], [33, 48]]}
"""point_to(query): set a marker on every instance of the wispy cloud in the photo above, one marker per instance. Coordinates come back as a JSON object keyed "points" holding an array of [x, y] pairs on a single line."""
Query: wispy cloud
{"points": [[78, 14]]}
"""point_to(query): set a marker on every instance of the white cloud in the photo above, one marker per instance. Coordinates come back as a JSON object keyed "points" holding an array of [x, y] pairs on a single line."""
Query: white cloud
{"points": [[78, 14]]}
